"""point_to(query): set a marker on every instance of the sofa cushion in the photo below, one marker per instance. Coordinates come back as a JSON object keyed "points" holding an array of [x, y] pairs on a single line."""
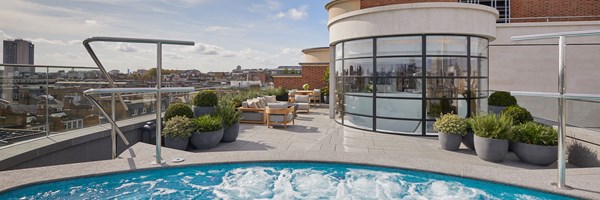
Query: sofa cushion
{"points": [[301, 98], [263, 103], [270, 99], [252, 116], [252, 104], [245, 104], [279, 118], [278, 105]]}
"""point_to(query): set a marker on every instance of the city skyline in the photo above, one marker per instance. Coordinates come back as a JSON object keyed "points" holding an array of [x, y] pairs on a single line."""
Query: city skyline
{"points": [[253, 34]]}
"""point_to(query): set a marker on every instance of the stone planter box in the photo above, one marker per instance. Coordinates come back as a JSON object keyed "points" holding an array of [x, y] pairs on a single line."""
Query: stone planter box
{"points": [[450, 142], [467, 140], [535, 154], [283, 97], [496, 109], [175, 143], [230, 134], [206, 140], [492, 150], [200, 111]]}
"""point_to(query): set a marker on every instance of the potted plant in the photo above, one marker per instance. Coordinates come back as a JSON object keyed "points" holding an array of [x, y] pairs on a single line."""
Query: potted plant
{"points": [[467, 139], [209, 131], [306, 86], [491, 136], [282, 94], [231, 120], [177, 132], [518, 114], [204, 103], [535, 143], [500, 100], [451, 129], [178, 109], [325, 89]]}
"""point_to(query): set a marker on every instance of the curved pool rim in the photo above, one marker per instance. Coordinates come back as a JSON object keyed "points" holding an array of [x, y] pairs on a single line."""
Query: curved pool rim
{"points": [[356, 164]]}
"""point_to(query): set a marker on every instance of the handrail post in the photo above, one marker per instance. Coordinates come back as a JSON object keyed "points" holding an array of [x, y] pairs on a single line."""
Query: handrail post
{"points": [[113, 132], [562, 114], [47, 104], [158, 102]]}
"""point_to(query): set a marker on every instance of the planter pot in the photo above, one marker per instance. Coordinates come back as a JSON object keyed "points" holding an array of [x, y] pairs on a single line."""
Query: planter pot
{"points": [[511, 144], [206, 140], [467, 140], [199, 111], [283, 97], [450, 142], [496, 109], [326, 99], [230, 134], [492, 150], [176, 143], [536, 154]]}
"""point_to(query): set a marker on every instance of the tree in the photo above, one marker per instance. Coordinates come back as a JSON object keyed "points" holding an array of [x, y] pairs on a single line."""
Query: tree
{"points": [[293, 71], [286, 71]]}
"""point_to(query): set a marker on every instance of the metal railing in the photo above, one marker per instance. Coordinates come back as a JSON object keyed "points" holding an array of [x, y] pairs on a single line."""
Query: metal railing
{"points": [[158, 89], [562, 94]]}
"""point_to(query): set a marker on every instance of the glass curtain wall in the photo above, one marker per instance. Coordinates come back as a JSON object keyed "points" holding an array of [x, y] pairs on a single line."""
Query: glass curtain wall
{"points": [[401, 84]]}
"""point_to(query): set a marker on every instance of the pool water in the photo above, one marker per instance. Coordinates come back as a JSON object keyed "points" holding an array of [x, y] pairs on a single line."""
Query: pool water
{"points": [[275, 180]]}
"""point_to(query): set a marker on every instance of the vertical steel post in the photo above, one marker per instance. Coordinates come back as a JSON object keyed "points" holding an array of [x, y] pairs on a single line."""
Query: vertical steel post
{"points": [[47, 104], [158, 101], [562, 114], [113, 132]]}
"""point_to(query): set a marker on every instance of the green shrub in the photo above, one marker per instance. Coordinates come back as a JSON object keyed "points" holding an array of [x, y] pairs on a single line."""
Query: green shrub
{"points": [[228, 112], [206, 98], [502, 98], [325, 90], [208, 123], [492, 126], [450, 124], [518, 114], [178, 109], [535, 133], [179, 127]]}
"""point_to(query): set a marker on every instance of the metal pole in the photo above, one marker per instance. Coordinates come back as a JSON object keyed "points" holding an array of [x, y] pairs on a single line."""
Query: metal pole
{"points": [[562, 114], [113, 132], [47, 104], [158, 101]]}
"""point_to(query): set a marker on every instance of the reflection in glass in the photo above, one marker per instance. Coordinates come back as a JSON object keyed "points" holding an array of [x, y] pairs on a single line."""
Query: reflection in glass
{"points": [[479, 67], [359, 86], [399, 67], [443, 106], [480, 87], [398, 46], [482, 106], [358, 48], [442, 66], [446, 45], [358, 67], [358, 121], [338, 68], [399, 108], [338, 51], [399, 85], [358, 105], [430, 129], [447, 88], [479, 47], [399, 126]]}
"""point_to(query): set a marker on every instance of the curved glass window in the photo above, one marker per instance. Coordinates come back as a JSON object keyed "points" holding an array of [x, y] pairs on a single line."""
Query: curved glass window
{"points": [[401, 84]]}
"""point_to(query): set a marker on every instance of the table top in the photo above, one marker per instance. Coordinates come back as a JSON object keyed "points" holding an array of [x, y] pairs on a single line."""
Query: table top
{"points": [[305, 91]]}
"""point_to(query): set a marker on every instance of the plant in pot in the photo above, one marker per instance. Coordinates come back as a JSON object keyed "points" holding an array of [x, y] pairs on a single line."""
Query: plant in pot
{"points": [[177, 132], [306, 86], [325, 89], [451, 129], [467, 139], [282, 94], [209, 131], [178, 109], [231, 120], [535, 143], [204, 103], [500, 100], [491, 136], [518, 114]]}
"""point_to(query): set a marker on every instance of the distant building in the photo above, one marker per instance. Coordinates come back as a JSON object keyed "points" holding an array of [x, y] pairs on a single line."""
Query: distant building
{"points": [[18, 52]]}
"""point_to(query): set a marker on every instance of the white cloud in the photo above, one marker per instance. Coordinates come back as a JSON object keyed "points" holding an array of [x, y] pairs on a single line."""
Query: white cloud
{"points": [[291, 51], [298, 13], [89, 22], [174, 56], [125, 47], [185, 3], [208, 49], [216, 28]]}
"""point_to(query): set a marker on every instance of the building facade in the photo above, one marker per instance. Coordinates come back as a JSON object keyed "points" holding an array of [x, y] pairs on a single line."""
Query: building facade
{"points": [[19, 52]]}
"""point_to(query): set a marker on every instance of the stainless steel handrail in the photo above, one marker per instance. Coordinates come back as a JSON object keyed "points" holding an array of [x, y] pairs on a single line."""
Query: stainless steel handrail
{"points": [[159, 43], [46, 66]]}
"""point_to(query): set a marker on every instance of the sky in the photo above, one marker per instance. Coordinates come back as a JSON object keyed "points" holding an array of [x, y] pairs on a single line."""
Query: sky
{"points": [[227, 33]]}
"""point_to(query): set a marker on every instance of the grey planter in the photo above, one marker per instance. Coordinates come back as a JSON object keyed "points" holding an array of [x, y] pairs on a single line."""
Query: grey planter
{"points": [[450, 142], [535, 154], [467, 140], [199, 111], [206, 140], [492, 150], [230, 134], [496, 109], [175, 143]]}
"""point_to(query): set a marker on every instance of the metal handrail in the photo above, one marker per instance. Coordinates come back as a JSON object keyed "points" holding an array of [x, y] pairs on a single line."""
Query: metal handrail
{"points": [[46, 66]]}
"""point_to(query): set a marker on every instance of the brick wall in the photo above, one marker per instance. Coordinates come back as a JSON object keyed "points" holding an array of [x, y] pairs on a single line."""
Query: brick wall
{"points": [[549, 8], [374, 3], [313, 75]]}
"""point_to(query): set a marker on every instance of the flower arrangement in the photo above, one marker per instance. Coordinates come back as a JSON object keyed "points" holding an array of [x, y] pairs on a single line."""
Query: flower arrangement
{"points": [[179, 127], [306, 86], [451, 124]]}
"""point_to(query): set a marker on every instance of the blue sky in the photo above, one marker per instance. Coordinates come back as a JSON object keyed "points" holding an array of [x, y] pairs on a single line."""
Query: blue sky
{"points": [[251, 33]]}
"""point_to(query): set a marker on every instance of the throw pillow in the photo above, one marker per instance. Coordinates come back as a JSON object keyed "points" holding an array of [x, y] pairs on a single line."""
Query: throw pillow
{"points": [[302, 98], [270, 99]]}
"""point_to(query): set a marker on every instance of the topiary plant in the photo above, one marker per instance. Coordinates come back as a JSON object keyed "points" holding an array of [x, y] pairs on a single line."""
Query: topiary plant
{"points": [[450, 124], [518, 114], [179, 127], [208, 123], [502, 99], [230, 115], [178, 109], [492, 126], [206, 98], [535, 133]]}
